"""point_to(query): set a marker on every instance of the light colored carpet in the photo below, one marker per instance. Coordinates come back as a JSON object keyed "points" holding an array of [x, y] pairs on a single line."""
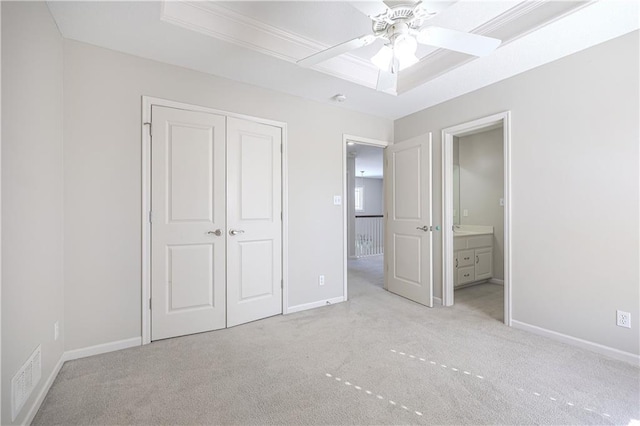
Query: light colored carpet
{"points": [[483, 299], [376, 359]]}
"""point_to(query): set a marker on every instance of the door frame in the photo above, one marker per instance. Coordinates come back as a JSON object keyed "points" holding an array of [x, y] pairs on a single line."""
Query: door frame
{"points": [[345, 236], [485, 123], [145, 126]]}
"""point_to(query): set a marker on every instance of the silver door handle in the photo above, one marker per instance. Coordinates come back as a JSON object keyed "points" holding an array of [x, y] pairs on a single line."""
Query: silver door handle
{"points": [[236, 231], [216, 232], [424, 228]]}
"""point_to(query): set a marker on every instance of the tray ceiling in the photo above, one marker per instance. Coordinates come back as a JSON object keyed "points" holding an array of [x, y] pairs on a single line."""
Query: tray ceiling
{"points": [[259, 42]]}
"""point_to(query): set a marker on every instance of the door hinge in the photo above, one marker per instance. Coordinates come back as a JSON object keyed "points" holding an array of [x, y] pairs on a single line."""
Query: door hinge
{"points": [[281, 149], [149, 124], [281, 216], [150, 216], [149, 303], [282, 283]]}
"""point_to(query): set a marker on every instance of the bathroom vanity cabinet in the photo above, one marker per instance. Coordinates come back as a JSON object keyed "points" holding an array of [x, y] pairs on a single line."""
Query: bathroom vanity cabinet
{"points": [[473, 258]]}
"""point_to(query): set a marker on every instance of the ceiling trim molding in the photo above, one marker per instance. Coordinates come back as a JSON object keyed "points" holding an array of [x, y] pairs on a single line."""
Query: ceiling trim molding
{"points": [[217, 21], [521, 10]]}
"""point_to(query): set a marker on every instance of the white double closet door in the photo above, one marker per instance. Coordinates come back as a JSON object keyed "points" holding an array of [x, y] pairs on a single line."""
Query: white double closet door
{"points": [[216, 230]]}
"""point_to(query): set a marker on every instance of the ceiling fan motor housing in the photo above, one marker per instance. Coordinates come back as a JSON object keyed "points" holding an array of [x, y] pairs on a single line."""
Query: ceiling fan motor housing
{"points": [[399, 19]]}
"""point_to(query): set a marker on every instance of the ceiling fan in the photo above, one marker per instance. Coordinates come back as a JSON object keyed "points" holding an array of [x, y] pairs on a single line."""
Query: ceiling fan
{"points": [[402, 27]]}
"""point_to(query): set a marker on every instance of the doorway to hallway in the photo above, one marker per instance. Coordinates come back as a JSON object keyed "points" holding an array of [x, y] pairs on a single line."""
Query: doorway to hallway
{"points": [[364, 219]]}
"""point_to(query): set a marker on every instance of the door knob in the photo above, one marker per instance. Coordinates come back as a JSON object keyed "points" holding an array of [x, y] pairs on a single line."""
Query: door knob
{"points": [[216, 232], [424, 228], [236, 231]]}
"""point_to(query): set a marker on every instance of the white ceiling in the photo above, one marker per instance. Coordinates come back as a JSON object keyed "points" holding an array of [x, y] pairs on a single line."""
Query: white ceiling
{"points": [[369, 159], [259, 42]]}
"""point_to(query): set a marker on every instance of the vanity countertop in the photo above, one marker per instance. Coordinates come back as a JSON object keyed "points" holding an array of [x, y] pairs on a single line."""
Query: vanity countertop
{"points": [[467, 230]]}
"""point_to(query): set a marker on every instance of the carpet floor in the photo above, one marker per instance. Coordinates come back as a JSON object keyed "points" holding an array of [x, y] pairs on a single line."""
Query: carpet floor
{"points": [[376, 359]]}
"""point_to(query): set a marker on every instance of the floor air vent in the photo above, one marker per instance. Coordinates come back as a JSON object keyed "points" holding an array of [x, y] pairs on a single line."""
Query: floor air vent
{"points": [[25, 381]]}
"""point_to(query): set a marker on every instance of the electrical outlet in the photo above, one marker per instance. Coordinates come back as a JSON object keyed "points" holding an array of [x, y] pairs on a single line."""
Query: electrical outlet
{"points": [[321, 280], [56, 330], [623, 319]]}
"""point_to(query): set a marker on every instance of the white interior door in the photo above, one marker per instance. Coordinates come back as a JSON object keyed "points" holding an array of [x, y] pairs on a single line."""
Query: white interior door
{"points": [[188, 209], [408, 242], [254, 218]]}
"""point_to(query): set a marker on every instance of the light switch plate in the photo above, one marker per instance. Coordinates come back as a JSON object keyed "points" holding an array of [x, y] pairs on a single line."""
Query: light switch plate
{"points": [[337, 200]]}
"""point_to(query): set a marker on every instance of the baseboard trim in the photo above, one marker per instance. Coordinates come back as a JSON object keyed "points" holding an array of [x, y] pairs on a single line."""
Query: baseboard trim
{"points": [[437, 300], [76, 354], [496, 281], [102, 348], [312, 305], [31, 414], [581, 343]]}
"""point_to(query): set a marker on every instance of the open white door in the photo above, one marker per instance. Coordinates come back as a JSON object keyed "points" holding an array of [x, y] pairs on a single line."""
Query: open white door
{"points": [[188, 222], [409, 241], [254, 217]]}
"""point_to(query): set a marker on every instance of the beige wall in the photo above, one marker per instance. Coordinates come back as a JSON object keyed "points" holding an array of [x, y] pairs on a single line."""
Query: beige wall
{"points": [[482, 186], [575, 188], [103, 91], [373, 195], [32, 193]]}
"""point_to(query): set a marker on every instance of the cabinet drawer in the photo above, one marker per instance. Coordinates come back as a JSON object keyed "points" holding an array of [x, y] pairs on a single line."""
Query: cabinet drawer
{"points": [[466, 274], [480, 241], [472, 242], [465, 258]]}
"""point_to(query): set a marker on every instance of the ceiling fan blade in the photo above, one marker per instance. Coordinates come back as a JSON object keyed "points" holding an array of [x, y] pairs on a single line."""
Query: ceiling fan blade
{"points": [[336, 50], [471, 44]]}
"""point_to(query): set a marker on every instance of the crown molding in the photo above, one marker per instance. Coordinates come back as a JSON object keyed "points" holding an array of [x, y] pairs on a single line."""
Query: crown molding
{"points": [[520, 20], [219, 22], [215, 20]]}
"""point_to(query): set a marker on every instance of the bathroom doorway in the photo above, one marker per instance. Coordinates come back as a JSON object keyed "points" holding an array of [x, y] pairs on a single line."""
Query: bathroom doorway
{"points": [[476, 213]]}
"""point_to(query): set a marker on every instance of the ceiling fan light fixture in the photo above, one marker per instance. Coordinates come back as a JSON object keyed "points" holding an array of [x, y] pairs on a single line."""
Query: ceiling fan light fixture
{"points": [[405, 45], [423, 36], [406, 59], [382, 59], [404, 48]]}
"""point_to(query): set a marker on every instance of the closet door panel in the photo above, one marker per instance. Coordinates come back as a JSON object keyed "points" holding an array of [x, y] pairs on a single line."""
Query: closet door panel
{"points": [[188, 205], [254, 257]]}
